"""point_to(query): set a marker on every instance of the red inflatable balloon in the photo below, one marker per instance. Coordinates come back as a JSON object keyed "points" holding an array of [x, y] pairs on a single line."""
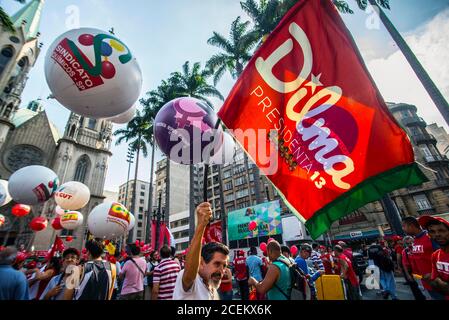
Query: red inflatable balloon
{"points": [[84, 251], [252, 226], [138, 243], [271, 239], [294, 250], [56, 223], [263, 247], [20, 210], [38, 224], [69, 239], [142, 243]]}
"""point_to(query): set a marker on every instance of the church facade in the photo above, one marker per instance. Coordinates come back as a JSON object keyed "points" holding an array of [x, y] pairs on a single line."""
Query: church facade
{"points": [[27, 137]]}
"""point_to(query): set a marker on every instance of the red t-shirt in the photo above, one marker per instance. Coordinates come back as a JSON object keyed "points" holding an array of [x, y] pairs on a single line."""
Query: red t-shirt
{"points": [[352, 277], [327, 264], [420, 257], [348, 253], [398, 249], [240, 268], [440, 266]]}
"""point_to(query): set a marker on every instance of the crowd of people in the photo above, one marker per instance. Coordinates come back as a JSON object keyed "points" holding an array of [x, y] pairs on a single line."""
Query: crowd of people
{"points": [[207, 274]]}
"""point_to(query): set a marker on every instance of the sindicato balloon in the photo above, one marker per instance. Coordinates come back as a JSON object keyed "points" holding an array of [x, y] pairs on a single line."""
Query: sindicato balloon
{"points": [[93, 73], [109, 220], [5, 198], [124, 117], [132, 221], [72, 195], [71, 220], [33, 185]]}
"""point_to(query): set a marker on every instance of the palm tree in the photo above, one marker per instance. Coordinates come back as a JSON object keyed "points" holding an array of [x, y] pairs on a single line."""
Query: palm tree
{"points": [[5, 20], [265, 16], [135, 133], [236, 51]]}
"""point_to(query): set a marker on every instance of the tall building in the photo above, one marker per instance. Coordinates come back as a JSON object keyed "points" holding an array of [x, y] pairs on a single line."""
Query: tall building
{"points": [[179, 227], [429, 198], [441, 136], [140, 204], [27, 137]]}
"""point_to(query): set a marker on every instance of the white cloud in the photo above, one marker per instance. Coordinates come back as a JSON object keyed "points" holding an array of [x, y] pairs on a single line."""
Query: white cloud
{"points": [[398, 83]]}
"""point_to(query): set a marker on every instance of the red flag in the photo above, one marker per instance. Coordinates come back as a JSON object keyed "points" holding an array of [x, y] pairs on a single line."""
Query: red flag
{"points": [[338, 146], [153, 234], [213, 233], [58, 246], [162, 227]]}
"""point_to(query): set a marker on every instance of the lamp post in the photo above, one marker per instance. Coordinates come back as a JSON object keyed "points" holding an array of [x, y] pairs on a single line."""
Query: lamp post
{"points": [[158, 215], [129, 159]]}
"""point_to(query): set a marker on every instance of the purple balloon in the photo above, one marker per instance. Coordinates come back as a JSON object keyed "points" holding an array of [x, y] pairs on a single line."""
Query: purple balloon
{"points": [[184, 128]]}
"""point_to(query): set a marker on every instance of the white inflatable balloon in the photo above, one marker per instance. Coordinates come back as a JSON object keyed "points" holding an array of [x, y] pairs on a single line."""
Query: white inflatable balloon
{"points": [[72, 195], [226, 151], [5, 197], [124, 117], [33, 185], [71, 220], [59, 211], [109, 220], [93, 73], [132, 221]]}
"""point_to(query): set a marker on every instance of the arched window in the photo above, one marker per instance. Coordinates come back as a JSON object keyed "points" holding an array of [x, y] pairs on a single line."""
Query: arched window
{"points": [[5, 55], [82, 168], [81, 122], [8, 110], [20, 66], [72, 131]]}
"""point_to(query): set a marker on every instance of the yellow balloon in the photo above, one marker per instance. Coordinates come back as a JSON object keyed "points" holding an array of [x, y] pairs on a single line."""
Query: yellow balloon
{"points": [[117, 46]]}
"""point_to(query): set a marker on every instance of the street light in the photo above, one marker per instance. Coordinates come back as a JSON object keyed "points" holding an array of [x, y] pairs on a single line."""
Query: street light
{"points": [[158, 215], [129, 159]]}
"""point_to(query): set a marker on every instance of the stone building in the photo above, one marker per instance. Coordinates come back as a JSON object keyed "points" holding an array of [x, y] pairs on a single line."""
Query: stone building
{"points": [[27, 137]]}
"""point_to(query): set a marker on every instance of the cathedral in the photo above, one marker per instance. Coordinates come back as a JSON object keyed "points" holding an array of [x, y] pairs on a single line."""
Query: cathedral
{"points": [[27, 137]]}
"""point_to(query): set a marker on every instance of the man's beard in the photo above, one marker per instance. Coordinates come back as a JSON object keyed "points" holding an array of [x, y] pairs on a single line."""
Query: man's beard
{"points": [[213, 282]]}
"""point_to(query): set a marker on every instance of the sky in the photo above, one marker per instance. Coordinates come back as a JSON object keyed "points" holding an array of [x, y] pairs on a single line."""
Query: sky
{"points": [[163, 34]]}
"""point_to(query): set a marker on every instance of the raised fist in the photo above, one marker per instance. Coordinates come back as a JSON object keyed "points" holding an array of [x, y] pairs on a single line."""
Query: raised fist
{"points": [[204, 213]]}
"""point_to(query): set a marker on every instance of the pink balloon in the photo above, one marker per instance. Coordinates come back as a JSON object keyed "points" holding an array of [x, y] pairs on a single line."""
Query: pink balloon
{"points": [[142, 243], [271, 239], [252, 226], [263, 247], [294, 250]]}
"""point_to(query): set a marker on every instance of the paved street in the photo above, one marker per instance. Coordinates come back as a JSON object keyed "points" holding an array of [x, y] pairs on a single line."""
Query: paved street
{"points": [[403, 291]]}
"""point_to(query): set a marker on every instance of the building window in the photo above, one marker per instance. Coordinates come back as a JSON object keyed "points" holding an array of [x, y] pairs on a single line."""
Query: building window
{"points": [[141, 209], [139, 224], [5, 55], [228, 186], [142, 186], [142, 201], [140, 216], [240, 181], [422, 202], [81, 169], [91, 124], [227, 174], [142, 194], [139, 234], [229, 197], [241, 193]]}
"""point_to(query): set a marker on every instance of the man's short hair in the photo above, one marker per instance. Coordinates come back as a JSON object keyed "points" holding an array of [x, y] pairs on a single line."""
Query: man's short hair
{"points": [[95, 248], [285, 249], [436, 222], [338, 248], [209, 249], [253, 250], [133, 249], [306, 247], [165, 252], [407, 238], [274, 246], [8, 255], [315, 246], [70, 251], [411, 221]]}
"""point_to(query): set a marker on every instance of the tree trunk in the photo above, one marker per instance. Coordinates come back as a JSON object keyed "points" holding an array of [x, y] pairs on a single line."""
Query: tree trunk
{"points": [[420, 72], [133, 203], [150, 200]]}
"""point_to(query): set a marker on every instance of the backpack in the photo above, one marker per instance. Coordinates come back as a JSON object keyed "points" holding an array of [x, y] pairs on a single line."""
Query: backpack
{"points": [[384, 261], [96, 283], [300, 289]]}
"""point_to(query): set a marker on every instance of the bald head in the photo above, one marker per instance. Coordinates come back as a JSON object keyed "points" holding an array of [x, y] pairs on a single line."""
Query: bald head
{"points": [[273, 250]]}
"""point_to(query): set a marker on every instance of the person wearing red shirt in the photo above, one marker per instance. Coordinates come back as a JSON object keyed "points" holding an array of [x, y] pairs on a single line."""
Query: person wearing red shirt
{"points": [[420, 257], [439, 230], [327, 260], [241, 274], [347, 274], [407, 268], [347, 251]]}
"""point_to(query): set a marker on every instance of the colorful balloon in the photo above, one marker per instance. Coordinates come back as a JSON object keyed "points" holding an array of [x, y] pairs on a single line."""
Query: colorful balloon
{"points": [[72, 195], [124, 117], [69, 239], [93, 73], [71, 220], [38, 224], [224, 151], [56, 223], [5, 198], [33, 185], [294, 250], [59, 211], [20, 210], [109, 220], [263, 247], [271, 239], [184, 130], [132, 221]]}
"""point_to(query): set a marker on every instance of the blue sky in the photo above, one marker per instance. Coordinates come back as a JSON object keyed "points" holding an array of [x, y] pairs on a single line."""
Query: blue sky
{"points": [[164, 34]]}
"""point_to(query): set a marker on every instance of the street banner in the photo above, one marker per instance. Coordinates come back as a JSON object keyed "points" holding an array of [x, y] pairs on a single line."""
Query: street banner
{"points": [[256, 221], [213, 232], [308, 94]]}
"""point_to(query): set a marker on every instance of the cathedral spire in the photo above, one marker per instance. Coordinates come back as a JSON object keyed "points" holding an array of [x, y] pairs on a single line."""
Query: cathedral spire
{"points": [[31, 14]]}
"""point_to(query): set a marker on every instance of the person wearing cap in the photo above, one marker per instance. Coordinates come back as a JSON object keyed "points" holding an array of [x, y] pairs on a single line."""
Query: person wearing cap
{"points": [[56, 286], [347, 274], [421, 254], [13, 283], [347, 251], [439, 231], [304, 253]]}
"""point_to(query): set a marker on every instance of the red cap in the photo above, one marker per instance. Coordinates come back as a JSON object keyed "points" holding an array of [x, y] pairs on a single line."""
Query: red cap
{"points": [[20, 257], [424, 221]]}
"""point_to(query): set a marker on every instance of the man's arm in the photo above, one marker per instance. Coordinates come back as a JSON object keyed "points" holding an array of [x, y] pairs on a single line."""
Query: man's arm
{"points": [[268, 282], [440, 285], [155, 291], [344, 268], [204, 213]]}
